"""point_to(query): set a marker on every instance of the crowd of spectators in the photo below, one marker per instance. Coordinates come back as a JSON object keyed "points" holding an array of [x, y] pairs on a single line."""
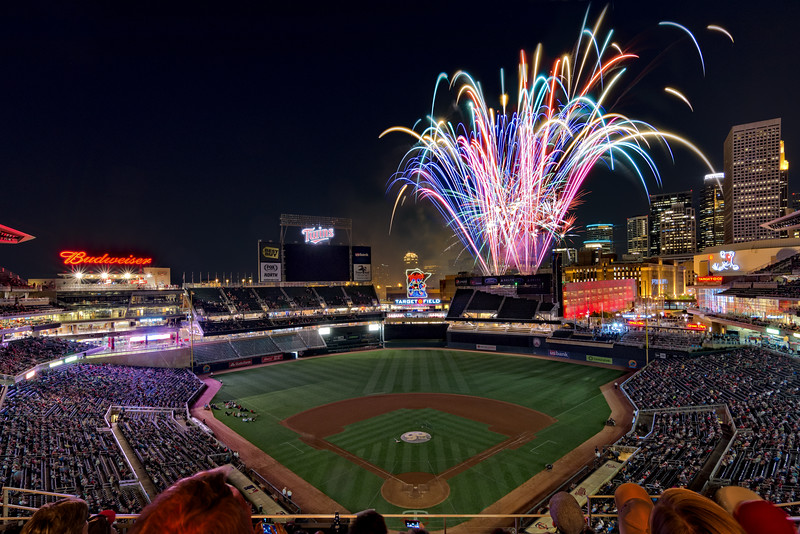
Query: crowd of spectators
{"points": [[235, 326], [22, 308], [673, 451], [362, 295], [273, 297], [333, 296], [243, 299], [762, 392], [208, 301], [12, 280], [684, 340], [23, 354], [303, 297], [170, 449], [241, 326], [55, 437]]}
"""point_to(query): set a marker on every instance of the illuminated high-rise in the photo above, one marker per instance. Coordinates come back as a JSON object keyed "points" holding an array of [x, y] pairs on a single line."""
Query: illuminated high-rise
{"points": [[673, 229], [756, 184], [638, 236], [711, 223], [600, 236], [411, 260]]}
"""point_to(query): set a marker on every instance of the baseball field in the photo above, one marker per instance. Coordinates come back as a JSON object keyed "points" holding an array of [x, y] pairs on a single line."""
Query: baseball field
{"points": [[438, 430]]}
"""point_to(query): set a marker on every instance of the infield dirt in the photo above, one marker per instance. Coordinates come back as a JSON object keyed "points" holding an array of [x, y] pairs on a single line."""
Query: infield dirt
{"points": [[517, 501], [418, 490]]}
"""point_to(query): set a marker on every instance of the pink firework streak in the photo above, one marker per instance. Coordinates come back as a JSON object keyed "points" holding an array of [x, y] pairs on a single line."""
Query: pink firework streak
{"points": [[505, 183]]}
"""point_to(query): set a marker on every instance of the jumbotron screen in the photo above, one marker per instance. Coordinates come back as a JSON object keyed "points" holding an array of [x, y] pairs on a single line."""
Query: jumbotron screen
{"points": [[316, 263]]}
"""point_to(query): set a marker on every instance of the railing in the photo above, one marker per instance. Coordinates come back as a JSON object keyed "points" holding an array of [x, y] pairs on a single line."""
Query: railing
{"points": [[431, 522]]}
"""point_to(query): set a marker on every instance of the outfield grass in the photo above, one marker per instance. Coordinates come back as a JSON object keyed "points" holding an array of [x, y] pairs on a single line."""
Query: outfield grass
{"points": [[568, 392]]}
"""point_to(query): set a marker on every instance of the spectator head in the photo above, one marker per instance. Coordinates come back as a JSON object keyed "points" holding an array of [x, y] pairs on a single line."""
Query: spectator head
{"points": [[64, 516], [200, 504], [681, 511], [368, 522], [634, 506], [753, 513], [566, 513], [100, 524]]}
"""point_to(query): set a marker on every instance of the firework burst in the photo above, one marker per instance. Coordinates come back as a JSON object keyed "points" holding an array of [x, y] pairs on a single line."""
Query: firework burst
{"points": [[505, 183]]}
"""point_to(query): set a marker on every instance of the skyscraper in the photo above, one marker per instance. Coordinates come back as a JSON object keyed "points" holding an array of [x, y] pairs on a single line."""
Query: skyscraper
{"points": [[638, 238], [712, 229], [600, 236], [756, 184], [672, 224]]}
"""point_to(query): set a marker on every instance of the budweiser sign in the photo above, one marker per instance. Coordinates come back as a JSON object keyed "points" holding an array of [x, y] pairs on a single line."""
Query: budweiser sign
{"points": [[78, 258]]}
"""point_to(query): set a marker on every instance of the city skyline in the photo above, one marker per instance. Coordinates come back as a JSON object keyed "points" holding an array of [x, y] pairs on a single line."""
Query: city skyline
{"points": [[185, 135]]}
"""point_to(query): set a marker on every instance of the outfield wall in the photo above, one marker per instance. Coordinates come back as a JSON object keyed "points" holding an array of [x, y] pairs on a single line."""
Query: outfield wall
{"points": [[624, 356]]}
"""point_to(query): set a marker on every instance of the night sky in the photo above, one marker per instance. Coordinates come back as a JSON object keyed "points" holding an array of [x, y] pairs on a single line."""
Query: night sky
{"points": [[184, 134]]}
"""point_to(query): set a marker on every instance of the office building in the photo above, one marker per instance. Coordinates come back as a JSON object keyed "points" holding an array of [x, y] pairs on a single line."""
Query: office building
{"points": [[756, 184], [673, 229], [711, 220], [600, 236], [638, 236]]}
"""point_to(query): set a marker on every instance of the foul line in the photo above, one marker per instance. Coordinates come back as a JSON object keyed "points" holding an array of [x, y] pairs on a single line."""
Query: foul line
{"points": [[289, 443], [533, 450]]}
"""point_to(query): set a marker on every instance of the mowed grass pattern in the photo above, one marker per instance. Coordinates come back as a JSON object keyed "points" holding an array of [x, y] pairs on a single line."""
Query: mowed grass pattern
{"points": [[568, 392], [453, 440]]}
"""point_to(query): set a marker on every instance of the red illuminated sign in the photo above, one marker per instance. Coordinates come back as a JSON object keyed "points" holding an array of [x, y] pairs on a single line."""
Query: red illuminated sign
{"points": [[78, 258], [709, 279], [696, 326], [636, 323]]}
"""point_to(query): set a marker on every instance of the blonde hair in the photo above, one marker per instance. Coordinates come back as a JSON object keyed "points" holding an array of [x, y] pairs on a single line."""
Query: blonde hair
{"points": [[64, 516], [682, 511]]}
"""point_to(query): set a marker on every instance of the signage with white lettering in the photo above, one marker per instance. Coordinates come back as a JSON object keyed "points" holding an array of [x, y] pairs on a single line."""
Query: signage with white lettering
{"points": [[317, 235], [412, 302], [270, 272]]}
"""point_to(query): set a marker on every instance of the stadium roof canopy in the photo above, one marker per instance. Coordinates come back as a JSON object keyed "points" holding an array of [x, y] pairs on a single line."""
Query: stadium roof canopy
{"points": [[9, 236], [787, 222]]}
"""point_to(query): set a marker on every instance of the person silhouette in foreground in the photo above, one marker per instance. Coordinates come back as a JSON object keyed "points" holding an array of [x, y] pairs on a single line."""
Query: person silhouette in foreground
{"points": [[200, 504]]}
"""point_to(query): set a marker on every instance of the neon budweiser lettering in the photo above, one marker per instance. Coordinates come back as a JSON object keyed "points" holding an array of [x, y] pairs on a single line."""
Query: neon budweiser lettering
{"points": [[77, 258], [317, 235]]}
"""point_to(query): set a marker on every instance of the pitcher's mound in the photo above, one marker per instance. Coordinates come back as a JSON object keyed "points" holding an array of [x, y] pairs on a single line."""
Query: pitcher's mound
{"points": [[415, 491]]}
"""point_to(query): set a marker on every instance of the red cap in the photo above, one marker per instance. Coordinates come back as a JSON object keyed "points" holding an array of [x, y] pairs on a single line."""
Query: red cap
{"points": [[111, 515], [763, 516]]}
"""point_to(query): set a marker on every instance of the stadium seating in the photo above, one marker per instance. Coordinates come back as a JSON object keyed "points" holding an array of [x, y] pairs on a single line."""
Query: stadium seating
{"points": [[333, 296], [362, 295], [459, 303], [303, 297], [274, 298], [760, 389], [485, 302], [21, 355], [514, 308], [169, 450], [56, 437], [243, 299], [209, 301], [257, 346]]}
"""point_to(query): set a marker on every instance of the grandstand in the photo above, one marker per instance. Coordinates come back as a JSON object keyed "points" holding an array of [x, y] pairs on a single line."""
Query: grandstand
{"points": [[703, 419]]}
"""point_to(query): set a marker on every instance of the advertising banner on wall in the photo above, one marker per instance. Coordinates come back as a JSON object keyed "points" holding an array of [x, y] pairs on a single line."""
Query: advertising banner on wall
{"points": [[362, 264], [269, 261]]}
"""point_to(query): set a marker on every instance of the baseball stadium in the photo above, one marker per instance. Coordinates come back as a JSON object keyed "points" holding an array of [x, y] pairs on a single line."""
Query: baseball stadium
{"points": [[468, 409]]}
